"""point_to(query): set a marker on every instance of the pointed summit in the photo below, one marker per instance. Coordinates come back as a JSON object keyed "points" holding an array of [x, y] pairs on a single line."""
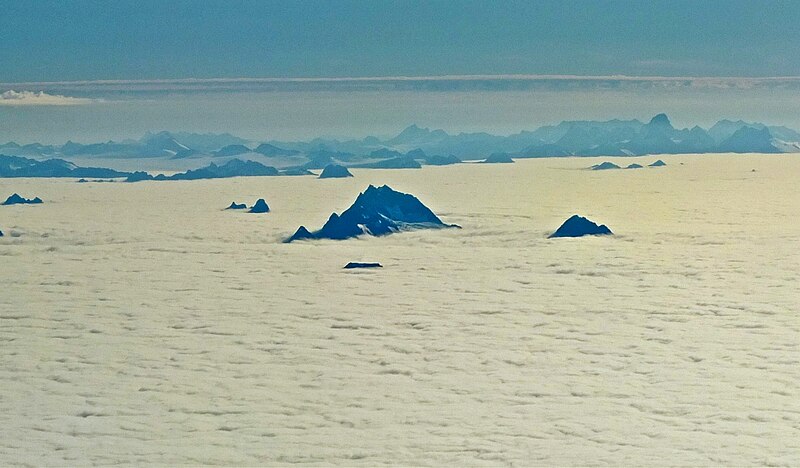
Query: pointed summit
{"points": [[377, 211], [660, 120]]}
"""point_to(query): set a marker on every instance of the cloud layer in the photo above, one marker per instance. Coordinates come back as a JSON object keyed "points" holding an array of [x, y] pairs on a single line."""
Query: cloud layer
{"points": [[31, 98]]}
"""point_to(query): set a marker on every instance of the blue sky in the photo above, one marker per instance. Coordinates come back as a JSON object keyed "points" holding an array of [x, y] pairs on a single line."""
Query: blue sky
{"points": [[92, 40]]}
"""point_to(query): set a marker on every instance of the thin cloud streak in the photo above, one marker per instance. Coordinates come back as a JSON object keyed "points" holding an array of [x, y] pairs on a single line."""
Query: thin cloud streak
{"points": [[627, 78], [31, 98], [113, 90]]}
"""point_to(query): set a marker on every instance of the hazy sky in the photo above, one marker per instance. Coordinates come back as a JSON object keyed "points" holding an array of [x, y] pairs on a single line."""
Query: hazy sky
{"points": [[137, 39], [179, 45]]}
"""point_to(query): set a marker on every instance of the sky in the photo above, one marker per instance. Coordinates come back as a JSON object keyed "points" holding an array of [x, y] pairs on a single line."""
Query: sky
{"points": [[90, 70], [147, 39]]}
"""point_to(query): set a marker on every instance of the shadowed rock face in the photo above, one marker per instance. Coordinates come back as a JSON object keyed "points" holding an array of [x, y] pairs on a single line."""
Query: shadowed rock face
{"points": [[353, 265], [260, 207], [749, 140], [658, 163], [333, 171], [377, 212], [604, 166], [236, 206], [15, 199], [634, 166], [578, 226], [1, 235]]}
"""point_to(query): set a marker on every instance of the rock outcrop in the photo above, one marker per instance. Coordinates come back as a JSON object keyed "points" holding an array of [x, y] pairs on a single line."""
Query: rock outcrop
{"points": [[15, 199], [333, 171], [578, 226], [377, 212], [658, 163], [236, 206], [260, 207], [604, 166]]}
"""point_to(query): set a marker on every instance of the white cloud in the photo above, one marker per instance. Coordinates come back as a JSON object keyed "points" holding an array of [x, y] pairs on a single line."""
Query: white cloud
{"points": [[31, 98]]}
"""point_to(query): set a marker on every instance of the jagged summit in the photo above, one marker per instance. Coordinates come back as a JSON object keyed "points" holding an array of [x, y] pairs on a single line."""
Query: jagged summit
{"points": [[16, 199], [377, 211]]}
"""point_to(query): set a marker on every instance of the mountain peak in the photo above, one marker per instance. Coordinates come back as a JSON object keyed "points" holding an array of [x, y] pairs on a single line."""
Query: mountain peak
{"points": [[660, 120], [414, 133]]}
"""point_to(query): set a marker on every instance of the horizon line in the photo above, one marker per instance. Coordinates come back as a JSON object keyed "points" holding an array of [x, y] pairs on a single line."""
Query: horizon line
{"points": [[472, 77]]}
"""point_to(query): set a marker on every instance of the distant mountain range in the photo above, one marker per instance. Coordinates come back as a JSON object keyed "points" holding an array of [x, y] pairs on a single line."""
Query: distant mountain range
{"points": [[15, 166], [426, 146]]}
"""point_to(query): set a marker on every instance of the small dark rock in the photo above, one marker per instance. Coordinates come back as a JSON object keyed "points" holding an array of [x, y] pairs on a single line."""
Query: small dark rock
{"points": [[352, 265], [236, 206], [658, 163]]}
